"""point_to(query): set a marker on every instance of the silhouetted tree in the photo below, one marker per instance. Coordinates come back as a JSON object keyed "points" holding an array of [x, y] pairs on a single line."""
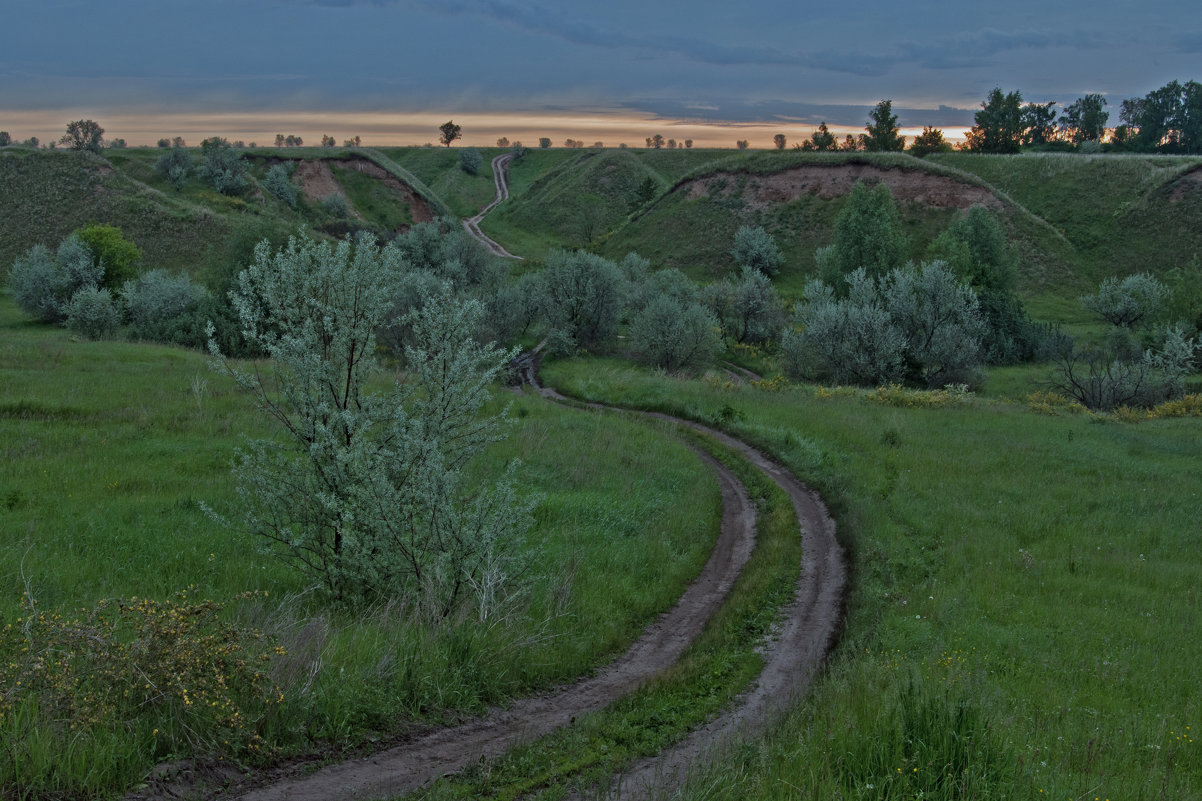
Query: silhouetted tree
{"points": [[929, 141], [1039, 123], [742, 144], [882, 130], [657, 141], [503, 142], [822, 139], [999, 124], [779, 141], [449, 132], [1084, 120], [544, 142], [84, 135]]}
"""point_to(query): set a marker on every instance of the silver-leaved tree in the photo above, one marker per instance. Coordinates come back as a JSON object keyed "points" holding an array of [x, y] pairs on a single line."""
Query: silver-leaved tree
{"points": [[369, 490]]}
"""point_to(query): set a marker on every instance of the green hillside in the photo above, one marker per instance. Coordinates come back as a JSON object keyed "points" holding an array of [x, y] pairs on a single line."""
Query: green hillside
{"points": [[1072, 219], [1122, 214]]}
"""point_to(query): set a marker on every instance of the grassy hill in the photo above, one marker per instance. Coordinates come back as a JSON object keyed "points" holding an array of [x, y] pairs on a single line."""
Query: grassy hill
{"points": [[1122, 214], [1072, 219]]}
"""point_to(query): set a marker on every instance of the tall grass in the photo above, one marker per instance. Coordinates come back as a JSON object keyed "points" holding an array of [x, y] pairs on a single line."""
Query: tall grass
{"points": [[1041, 572]]}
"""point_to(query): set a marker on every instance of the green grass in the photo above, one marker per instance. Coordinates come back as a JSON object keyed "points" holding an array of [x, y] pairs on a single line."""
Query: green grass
{"points": [[1122, 213], [108, 449], [709, 675], [374, 201], [60, 192], [438, 168], [1038, 572]]}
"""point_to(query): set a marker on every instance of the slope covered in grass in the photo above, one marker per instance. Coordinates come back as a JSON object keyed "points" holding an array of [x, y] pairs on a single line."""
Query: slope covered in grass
{"points": [[797, 198], [48, 195], [1122, 214], [1023, 616]]}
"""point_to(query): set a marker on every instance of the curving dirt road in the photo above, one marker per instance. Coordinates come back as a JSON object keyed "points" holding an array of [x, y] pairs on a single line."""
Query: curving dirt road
{"points": [[809, 627], [811, 623], [472, 224]]}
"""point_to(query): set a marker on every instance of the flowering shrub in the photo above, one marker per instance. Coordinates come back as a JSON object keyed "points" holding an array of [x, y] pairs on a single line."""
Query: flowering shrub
{"points": [[173, 664]]}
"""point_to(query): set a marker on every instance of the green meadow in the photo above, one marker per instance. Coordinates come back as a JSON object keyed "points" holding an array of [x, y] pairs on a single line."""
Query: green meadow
{"points": [[1024, 586]]}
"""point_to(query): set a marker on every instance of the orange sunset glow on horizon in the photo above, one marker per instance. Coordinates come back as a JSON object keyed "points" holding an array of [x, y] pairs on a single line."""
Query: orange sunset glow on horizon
{"points": [[399, 129]]}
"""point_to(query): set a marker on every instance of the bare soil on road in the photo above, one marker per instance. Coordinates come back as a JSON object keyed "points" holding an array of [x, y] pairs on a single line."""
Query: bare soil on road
{"points": [[472, 224]]}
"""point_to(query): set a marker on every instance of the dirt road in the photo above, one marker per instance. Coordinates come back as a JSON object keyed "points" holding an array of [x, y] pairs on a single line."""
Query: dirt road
{"points": [[811, 622], [472, 224]]}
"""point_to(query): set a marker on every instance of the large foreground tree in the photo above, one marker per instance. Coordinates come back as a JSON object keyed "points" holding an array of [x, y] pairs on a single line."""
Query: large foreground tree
{"points": [[369, 491]]}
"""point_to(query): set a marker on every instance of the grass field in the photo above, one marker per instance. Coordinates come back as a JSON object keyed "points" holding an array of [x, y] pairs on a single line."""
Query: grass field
{"points": [[110, 447], [1033, 577]]}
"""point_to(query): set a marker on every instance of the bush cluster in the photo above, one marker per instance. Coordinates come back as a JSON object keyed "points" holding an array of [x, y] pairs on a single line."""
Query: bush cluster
{"points": [[918, 324], [43, 285]]}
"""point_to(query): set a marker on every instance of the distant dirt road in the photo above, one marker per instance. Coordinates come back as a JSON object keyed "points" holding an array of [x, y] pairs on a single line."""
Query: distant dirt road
{"points": [[472, 224]]}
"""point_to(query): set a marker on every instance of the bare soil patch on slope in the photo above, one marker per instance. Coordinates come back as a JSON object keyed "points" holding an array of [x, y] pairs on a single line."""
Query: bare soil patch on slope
{"points": [[316, 180]]}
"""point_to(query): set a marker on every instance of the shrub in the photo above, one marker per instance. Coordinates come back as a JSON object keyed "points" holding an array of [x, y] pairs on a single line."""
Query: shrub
{"points": [[581, 297], [43, 286], [750, 310], [754, 247], [918, 323], [670, 335], [175, 164], [111, 251], [470, 160], [92, 313], [940, 318], [668, 283], [335, 205], [222, 166], [172, 666], [370, 492], [1107, 377], [1128, 302], [161, 307], [851, 340], [279, 183]]}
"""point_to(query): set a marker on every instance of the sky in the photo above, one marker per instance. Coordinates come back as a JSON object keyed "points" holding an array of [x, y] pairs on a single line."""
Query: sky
{"points": [[611, 70]]}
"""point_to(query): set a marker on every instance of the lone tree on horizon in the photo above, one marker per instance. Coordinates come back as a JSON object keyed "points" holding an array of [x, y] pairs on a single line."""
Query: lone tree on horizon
{"points": [[450, 132], [84, 135]]}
